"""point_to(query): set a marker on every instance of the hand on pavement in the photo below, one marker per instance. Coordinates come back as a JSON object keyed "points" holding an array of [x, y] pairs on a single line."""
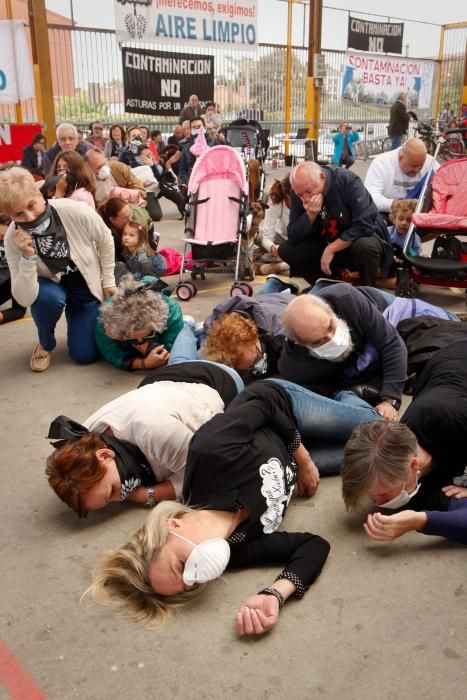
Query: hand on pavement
{"points": [[257, 615]]}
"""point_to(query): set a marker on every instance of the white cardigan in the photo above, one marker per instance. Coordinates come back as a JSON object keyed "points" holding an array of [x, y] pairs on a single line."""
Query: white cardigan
{"points": [[273, 228], [91, 249], [161, 419]]}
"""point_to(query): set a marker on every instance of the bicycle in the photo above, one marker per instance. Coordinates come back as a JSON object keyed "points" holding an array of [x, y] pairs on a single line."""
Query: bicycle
{"points": [[450, 147]]}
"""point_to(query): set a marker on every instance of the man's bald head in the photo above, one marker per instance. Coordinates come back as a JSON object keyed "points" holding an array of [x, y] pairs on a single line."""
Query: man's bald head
{"points": [[307, 179], [309, 320], [412, 157]]}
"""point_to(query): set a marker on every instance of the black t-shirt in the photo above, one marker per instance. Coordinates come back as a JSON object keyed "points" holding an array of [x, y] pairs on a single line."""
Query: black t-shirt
{"points": [[438, 413], [196, 372], [243, 458]]}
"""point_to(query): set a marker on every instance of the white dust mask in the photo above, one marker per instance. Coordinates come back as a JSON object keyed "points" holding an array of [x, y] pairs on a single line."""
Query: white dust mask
{"points": [[401, 499], [337, 346], [207, 561], [104, 172]]}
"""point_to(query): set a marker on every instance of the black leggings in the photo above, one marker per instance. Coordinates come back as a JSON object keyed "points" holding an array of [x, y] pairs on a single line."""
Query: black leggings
{"points": [[364, 255], [174, 195], [16, 310]]}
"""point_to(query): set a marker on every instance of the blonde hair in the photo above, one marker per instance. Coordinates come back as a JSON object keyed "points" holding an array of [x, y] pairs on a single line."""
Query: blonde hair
{"points": [[402, 206], [121, 581], [16, 184], [227, 336]]}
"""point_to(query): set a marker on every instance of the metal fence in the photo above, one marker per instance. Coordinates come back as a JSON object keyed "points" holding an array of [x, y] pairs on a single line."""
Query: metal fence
{"points": [[87, 81]]}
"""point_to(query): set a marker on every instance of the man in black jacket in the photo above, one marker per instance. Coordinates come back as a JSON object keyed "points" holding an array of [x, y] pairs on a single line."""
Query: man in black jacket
{"points": [[334, 224], [326, 334], [399, 119], [33, 157]]}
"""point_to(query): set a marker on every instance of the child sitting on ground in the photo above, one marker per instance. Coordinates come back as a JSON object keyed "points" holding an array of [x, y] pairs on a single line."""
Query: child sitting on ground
{"points": [[401, 216], [140, 258]]}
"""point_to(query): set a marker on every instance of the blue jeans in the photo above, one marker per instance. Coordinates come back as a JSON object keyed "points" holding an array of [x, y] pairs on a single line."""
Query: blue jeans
{"points": [[325, 424], [396, 141], [272, 286], [185, 349], [81, 309]]}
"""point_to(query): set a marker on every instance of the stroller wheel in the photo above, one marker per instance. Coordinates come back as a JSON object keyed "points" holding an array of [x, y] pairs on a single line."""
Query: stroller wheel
{"points": [[192, 287], [184, 291], [194, 276], [247, 290], [202, 275]]}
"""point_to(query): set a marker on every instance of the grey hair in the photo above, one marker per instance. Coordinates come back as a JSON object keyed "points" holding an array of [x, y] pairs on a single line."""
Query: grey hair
{"points": [[377, 452], [122, 578], [296, 307], [66, 125], [134, 307], [313, 171]]}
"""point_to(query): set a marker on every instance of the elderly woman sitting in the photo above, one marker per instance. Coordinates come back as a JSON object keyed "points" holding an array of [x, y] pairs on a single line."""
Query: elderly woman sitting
{"points": [[61, 256], [137, 327]]}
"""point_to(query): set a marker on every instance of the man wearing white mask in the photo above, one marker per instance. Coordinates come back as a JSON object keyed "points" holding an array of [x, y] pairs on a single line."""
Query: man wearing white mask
{"points": [[110, 174], [327, 332], [418, 462]]}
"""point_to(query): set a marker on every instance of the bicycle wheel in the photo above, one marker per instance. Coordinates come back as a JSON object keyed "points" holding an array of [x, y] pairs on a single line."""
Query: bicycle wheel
{"points": [[386, 144], [454, 149], [429, 145]]}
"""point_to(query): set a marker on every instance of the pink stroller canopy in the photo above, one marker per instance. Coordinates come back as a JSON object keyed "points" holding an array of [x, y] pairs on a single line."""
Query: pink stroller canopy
{"points": [[218, 162], [449, 187]]}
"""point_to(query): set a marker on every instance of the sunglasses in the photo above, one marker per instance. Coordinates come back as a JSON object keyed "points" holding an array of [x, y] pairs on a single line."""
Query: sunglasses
{"points": [[139, 341]]}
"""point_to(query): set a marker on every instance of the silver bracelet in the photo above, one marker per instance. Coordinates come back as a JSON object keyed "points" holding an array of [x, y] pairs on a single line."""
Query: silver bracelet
{"points": [[151, 502], [33, 258], [273, 591]]}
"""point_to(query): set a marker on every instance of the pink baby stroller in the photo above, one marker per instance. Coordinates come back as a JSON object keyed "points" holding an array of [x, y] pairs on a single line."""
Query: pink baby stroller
{"points": [[216, 221], [441, 212]]}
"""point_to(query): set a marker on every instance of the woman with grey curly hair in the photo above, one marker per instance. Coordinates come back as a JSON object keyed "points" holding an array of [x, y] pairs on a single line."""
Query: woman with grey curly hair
{"points": [[137, 327]]}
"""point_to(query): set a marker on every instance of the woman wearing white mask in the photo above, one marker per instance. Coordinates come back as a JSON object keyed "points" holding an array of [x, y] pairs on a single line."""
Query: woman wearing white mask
{"points": [[241, 470], [419, 461]]}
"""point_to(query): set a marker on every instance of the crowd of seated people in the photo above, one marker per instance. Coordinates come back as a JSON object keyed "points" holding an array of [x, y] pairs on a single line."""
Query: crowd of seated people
{"points": [[254, 405]]}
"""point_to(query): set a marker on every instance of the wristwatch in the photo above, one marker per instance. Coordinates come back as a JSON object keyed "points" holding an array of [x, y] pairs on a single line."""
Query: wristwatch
{"points": [[151, 502], [32, 258], [395, 403], [274, 592]]}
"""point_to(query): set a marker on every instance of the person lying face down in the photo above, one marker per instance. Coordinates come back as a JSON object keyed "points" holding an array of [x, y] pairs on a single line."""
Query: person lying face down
{"points": [[328, 330], [242, 468], [416, 463], [247, 333], [122, 452]]}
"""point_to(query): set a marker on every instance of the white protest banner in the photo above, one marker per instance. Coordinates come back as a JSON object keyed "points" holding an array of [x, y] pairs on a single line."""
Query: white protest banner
{"points": [[376, 79], [16, 73], [188, 22]]}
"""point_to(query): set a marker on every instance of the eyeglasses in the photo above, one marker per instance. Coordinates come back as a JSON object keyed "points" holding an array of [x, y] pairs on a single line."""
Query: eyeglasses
{"points": [[139, 341], [251, 368]]}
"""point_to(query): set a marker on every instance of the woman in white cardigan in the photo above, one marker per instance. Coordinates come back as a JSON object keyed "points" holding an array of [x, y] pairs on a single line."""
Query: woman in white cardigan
{"points": [[61, 256], [273, 228]]}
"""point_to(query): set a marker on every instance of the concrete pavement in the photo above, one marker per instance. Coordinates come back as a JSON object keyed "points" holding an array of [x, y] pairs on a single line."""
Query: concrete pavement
{"points": [[381, 622]]}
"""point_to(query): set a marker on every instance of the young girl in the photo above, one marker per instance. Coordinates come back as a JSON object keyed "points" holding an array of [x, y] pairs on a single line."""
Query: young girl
{"points": [[140, 259], [401, 216]]}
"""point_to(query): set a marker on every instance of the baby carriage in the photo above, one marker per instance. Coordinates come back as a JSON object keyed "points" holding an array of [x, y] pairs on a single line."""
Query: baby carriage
{"points": [[441, 213], [216, 221], [248, 137]]}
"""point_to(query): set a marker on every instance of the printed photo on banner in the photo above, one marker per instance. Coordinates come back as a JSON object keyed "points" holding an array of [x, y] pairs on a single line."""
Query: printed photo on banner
{"points": [[188, 22], [160, 82], [377, 80]]}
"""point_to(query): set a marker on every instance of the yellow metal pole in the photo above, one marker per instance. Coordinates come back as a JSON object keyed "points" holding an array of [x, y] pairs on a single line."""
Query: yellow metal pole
{"points": [[288, 75], [313, 91], [18, 110], [440, 72], [42, 69]]}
